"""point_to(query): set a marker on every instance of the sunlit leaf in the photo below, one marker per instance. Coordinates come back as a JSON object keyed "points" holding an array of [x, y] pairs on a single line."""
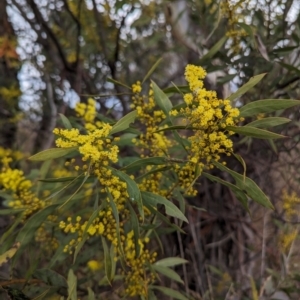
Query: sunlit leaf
{"points": [[6, 256], [246, 87]]}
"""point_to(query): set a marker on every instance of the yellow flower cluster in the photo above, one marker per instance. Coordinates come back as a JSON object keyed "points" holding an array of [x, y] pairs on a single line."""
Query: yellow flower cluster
{"points": [[87, 111], [103, 225], [93, 146], [46, 239], [14, 182], [233, 11], [9, 155], [151, 182], [96, 147], [291, 204], [94, 265], [207, 116], [150, 143], [138, 278], [286, 240]]}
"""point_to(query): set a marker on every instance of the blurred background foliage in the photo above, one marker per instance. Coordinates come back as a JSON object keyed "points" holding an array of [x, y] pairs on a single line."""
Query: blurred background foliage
{"points": [[55, 52]]}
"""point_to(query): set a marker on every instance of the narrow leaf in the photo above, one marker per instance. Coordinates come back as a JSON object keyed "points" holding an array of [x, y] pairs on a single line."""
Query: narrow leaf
{"points": [[136, 228], [161, 99], [170, 262], [269, 122], [266, 106], [118, 83], [91, 294], [72, 286], [52, 153], [246, 87], [248, 186], [171, 209], [132, 189], [240, 195], [107, 260], [178, 89], [214, 49], [116, 216], [241, 160], [152, 70], [65, 121], [169, 292], [10, 211], [62, 179], [167, 272], [124, 122], [290, 67], [255, 132]]}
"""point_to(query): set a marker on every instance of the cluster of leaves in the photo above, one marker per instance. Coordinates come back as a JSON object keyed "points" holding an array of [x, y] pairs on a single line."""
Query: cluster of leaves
{"points": [[132, 196]]}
